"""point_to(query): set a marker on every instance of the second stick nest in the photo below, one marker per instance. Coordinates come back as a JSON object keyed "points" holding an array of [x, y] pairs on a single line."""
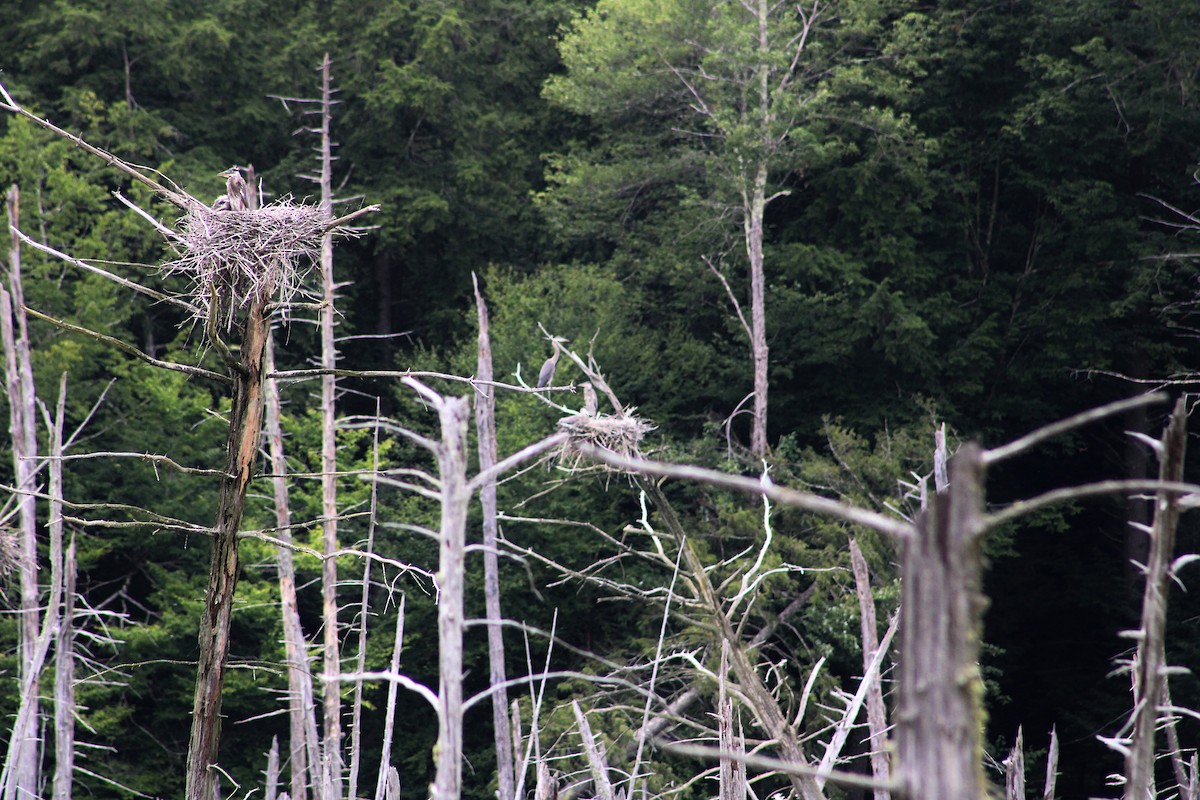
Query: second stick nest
{"points": [[235, 257], [620, 434]]}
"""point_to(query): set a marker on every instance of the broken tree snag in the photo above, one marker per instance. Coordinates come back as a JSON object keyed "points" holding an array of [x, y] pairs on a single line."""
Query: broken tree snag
{"points": [[485, 426], [940, 706], [876, 710], [22, 776], [1150, 663], [453, 413], [245, 428]]}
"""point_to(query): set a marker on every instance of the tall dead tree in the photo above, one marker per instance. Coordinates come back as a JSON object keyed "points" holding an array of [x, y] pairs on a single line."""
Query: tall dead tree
{"points": [[485, 426], [1150, 667], [304, 744], [22, 409], [329, 510]]}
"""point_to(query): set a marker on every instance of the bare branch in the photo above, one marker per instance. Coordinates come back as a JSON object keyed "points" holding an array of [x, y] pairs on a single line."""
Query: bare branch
{"points": [[848, 779], [1062, 426], [175, 196], [130, 349], [128, 284], [763, 486], [1022, 507]]}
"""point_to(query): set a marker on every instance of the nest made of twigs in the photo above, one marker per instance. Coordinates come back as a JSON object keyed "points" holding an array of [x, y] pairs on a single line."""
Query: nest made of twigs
{"points": [[620, 434], [234, 257]]}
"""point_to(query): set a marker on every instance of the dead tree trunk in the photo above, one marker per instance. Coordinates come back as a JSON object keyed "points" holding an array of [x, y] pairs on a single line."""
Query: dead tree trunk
{"points": [[62, 566], [64, 684], [304, 746], [329, 512], [18, 373], [940, 707], [876, 711], [1150, 663], [452, 468], [485, 426], [245, 428]]}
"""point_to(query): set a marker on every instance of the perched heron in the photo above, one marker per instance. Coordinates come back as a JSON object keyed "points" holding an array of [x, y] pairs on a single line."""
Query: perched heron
{"points": [[546, 375], [590, 402], [237, 194]]}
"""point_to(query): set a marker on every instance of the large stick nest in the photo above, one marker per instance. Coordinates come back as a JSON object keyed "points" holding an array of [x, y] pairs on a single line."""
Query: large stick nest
{"points": [[235, 257], [620, 434]]}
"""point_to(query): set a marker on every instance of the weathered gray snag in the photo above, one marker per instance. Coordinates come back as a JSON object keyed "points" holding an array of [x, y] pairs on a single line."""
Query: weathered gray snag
{"points": [[64, 684], [876, 711], [1150, 662], [386, 770], [940, 701], [452, 469], [304, 744], [62, 572], [1014, 770], [731, 773], [485, 427], [329, 510], [1051, 766], [22, 772]]}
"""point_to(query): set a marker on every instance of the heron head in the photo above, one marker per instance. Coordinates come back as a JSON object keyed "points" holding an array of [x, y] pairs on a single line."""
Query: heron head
{"points": [[229, 173]]}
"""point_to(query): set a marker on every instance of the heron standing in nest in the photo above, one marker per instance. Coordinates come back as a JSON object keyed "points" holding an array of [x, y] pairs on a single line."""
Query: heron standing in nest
{"points": [[237, 193]]}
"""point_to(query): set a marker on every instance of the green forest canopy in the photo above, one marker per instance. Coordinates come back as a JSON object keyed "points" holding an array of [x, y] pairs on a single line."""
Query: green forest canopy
{"points": [[974, 223]]}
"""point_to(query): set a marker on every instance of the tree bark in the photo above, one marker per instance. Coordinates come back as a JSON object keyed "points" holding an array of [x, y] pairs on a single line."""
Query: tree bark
{"points": [[876, 711], [452, 466], [63, 566], [1150, 663], [245, 427], [754, 207], [304, 743], [329, 511], [939, 715], [485, 426], [22, 401]]}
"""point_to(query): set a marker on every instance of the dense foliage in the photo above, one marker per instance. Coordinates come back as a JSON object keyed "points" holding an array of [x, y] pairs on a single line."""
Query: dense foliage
{"points": [[972, 223]]}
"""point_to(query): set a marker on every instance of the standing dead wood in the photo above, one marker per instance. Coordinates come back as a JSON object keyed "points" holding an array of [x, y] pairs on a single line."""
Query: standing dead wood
{"points": [[593, 748], [485, 428], [18, 379], [28, 704], [731, 774], [876, 711], [245, 426], [1051, 766], [62, 565], [64, 684], [1150, 662], [329, 511], [451, 455], [940, 705], [386, 770], [272, 776], [304, 744], [754, 691], [364, 612], [1014, 770]]}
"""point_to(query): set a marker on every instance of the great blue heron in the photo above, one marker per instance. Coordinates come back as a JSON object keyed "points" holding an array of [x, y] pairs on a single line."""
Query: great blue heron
{"points": [[237, 195], [546, 374], [590, 402]]}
